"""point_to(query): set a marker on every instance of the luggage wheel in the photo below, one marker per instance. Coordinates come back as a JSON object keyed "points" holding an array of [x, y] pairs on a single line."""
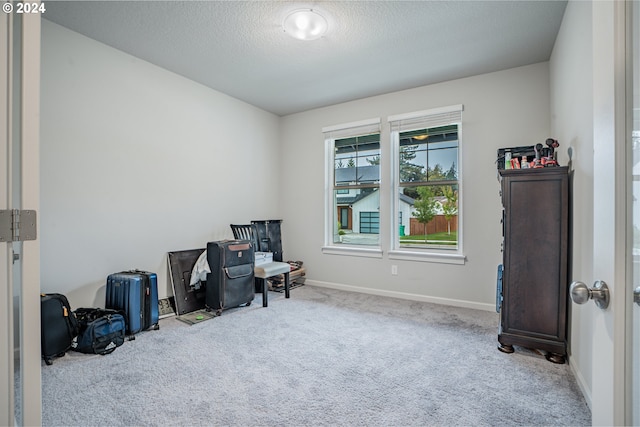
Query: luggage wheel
{"points": [[218, 312], [48, 361], [248, 304], [156, 327]]}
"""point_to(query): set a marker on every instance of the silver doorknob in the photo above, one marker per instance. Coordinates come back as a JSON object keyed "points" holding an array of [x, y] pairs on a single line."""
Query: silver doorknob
{"points": [[580, 293]]}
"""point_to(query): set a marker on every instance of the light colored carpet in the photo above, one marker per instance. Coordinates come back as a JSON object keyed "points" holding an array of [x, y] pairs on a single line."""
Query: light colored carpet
{"points": [[322, 357]]}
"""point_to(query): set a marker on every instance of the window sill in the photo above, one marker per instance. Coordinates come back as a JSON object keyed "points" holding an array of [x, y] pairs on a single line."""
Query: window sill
{"points": [[428, 257], [352, 251]]}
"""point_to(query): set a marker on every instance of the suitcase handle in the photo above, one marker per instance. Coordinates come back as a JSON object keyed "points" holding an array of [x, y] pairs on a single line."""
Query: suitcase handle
{"points": [[136, 271]]}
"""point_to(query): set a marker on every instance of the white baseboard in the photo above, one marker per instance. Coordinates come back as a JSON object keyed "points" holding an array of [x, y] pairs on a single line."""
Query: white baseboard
{"points": [[404, 295], [581, 383]]}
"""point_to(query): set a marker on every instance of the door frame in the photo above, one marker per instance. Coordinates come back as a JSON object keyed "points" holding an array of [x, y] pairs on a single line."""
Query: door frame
{"points": [[632, 330], [30, 195], [6, 307], [610, 212], [26, 325]]}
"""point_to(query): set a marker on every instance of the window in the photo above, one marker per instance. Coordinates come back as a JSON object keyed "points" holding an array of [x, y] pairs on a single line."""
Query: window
{"points": [[426, 184], [352, 217]]}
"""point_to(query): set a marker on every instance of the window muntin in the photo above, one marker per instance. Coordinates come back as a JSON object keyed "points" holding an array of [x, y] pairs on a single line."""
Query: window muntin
{"points": [[357, 170], [353, 157], [428, 187], [434, 222], [428, 155], [426, 175], [357, 160]]}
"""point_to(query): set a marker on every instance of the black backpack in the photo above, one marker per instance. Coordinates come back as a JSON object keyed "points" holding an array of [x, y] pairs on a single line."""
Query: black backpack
{"points": [[58, 326], [101, 330]]}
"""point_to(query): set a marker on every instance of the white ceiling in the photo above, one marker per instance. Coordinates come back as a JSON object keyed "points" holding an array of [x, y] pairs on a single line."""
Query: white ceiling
{"points": [[371, 48]]}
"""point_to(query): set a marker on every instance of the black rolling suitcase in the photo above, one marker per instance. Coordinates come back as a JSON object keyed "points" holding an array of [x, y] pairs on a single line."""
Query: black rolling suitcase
{"points": [[230, 283], [58, 326]]}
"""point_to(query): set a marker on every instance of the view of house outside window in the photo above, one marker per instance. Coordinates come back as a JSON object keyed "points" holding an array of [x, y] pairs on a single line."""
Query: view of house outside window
{"points": [[356, 196], [427, 162]]}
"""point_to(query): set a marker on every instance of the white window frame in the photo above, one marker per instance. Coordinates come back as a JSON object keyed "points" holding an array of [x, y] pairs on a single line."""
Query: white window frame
{"points": [[418, 120], [346, 130]]}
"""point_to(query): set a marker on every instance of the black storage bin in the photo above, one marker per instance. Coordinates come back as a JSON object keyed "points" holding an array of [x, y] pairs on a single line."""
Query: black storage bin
{"points": [[269, 237]]}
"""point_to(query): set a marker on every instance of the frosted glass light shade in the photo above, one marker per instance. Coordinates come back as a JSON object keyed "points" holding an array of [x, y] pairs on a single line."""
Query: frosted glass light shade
{"points": [[305, 24]]}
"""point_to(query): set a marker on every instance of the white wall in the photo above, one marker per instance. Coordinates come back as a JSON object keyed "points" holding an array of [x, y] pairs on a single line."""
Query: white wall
{"points": [[572, 122], [503, 109], [137, 161]]}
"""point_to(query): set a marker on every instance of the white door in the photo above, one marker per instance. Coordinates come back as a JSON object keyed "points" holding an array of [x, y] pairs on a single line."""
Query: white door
{"points": [[20, 392], [612, 262]]}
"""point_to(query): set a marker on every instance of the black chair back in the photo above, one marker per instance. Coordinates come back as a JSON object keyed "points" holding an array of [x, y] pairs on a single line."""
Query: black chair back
{"points": [[246, 232]]}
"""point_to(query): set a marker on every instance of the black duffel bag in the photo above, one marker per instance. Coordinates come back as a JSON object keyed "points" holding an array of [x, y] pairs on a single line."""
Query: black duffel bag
{"points": [[101, 330]]}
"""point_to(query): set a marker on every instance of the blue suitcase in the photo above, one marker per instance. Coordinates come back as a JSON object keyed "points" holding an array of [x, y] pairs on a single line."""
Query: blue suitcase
{"points": [[135, 293]]}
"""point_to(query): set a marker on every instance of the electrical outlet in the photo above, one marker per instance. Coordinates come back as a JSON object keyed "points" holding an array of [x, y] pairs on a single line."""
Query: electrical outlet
{"points": [[394, 270]]}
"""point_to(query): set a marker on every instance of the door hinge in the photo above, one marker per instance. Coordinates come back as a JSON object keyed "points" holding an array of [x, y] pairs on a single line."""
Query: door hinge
{"points": [[17, 225]]}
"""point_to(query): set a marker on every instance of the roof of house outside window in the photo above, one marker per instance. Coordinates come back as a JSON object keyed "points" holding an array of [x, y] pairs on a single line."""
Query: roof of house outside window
{"points": [[351, 200], [408, 200]]}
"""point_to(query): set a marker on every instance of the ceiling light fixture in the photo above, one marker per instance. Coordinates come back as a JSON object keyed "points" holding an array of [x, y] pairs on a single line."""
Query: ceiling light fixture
{"points": [[305, 24]]}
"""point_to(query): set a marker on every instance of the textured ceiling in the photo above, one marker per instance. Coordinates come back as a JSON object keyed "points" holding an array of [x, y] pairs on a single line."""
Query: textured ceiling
{"points": [[371, 48]]}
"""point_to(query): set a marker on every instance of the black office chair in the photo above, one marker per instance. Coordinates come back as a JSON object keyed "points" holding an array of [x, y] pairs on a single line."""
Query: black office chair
{"points": [[263, 272], [246, 232], [250, 232]]}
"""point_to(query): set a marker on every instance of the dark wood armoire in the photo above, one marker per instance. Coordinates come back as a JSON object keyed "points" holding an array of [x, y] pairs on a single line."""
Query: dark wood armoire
{"points": [[535, 277]]}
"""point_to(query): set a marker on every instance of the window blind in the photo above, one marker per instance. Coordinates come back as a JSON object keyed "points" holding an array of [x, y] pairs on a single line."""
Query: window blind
{"points": [[347, 130], [426, 119]]}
